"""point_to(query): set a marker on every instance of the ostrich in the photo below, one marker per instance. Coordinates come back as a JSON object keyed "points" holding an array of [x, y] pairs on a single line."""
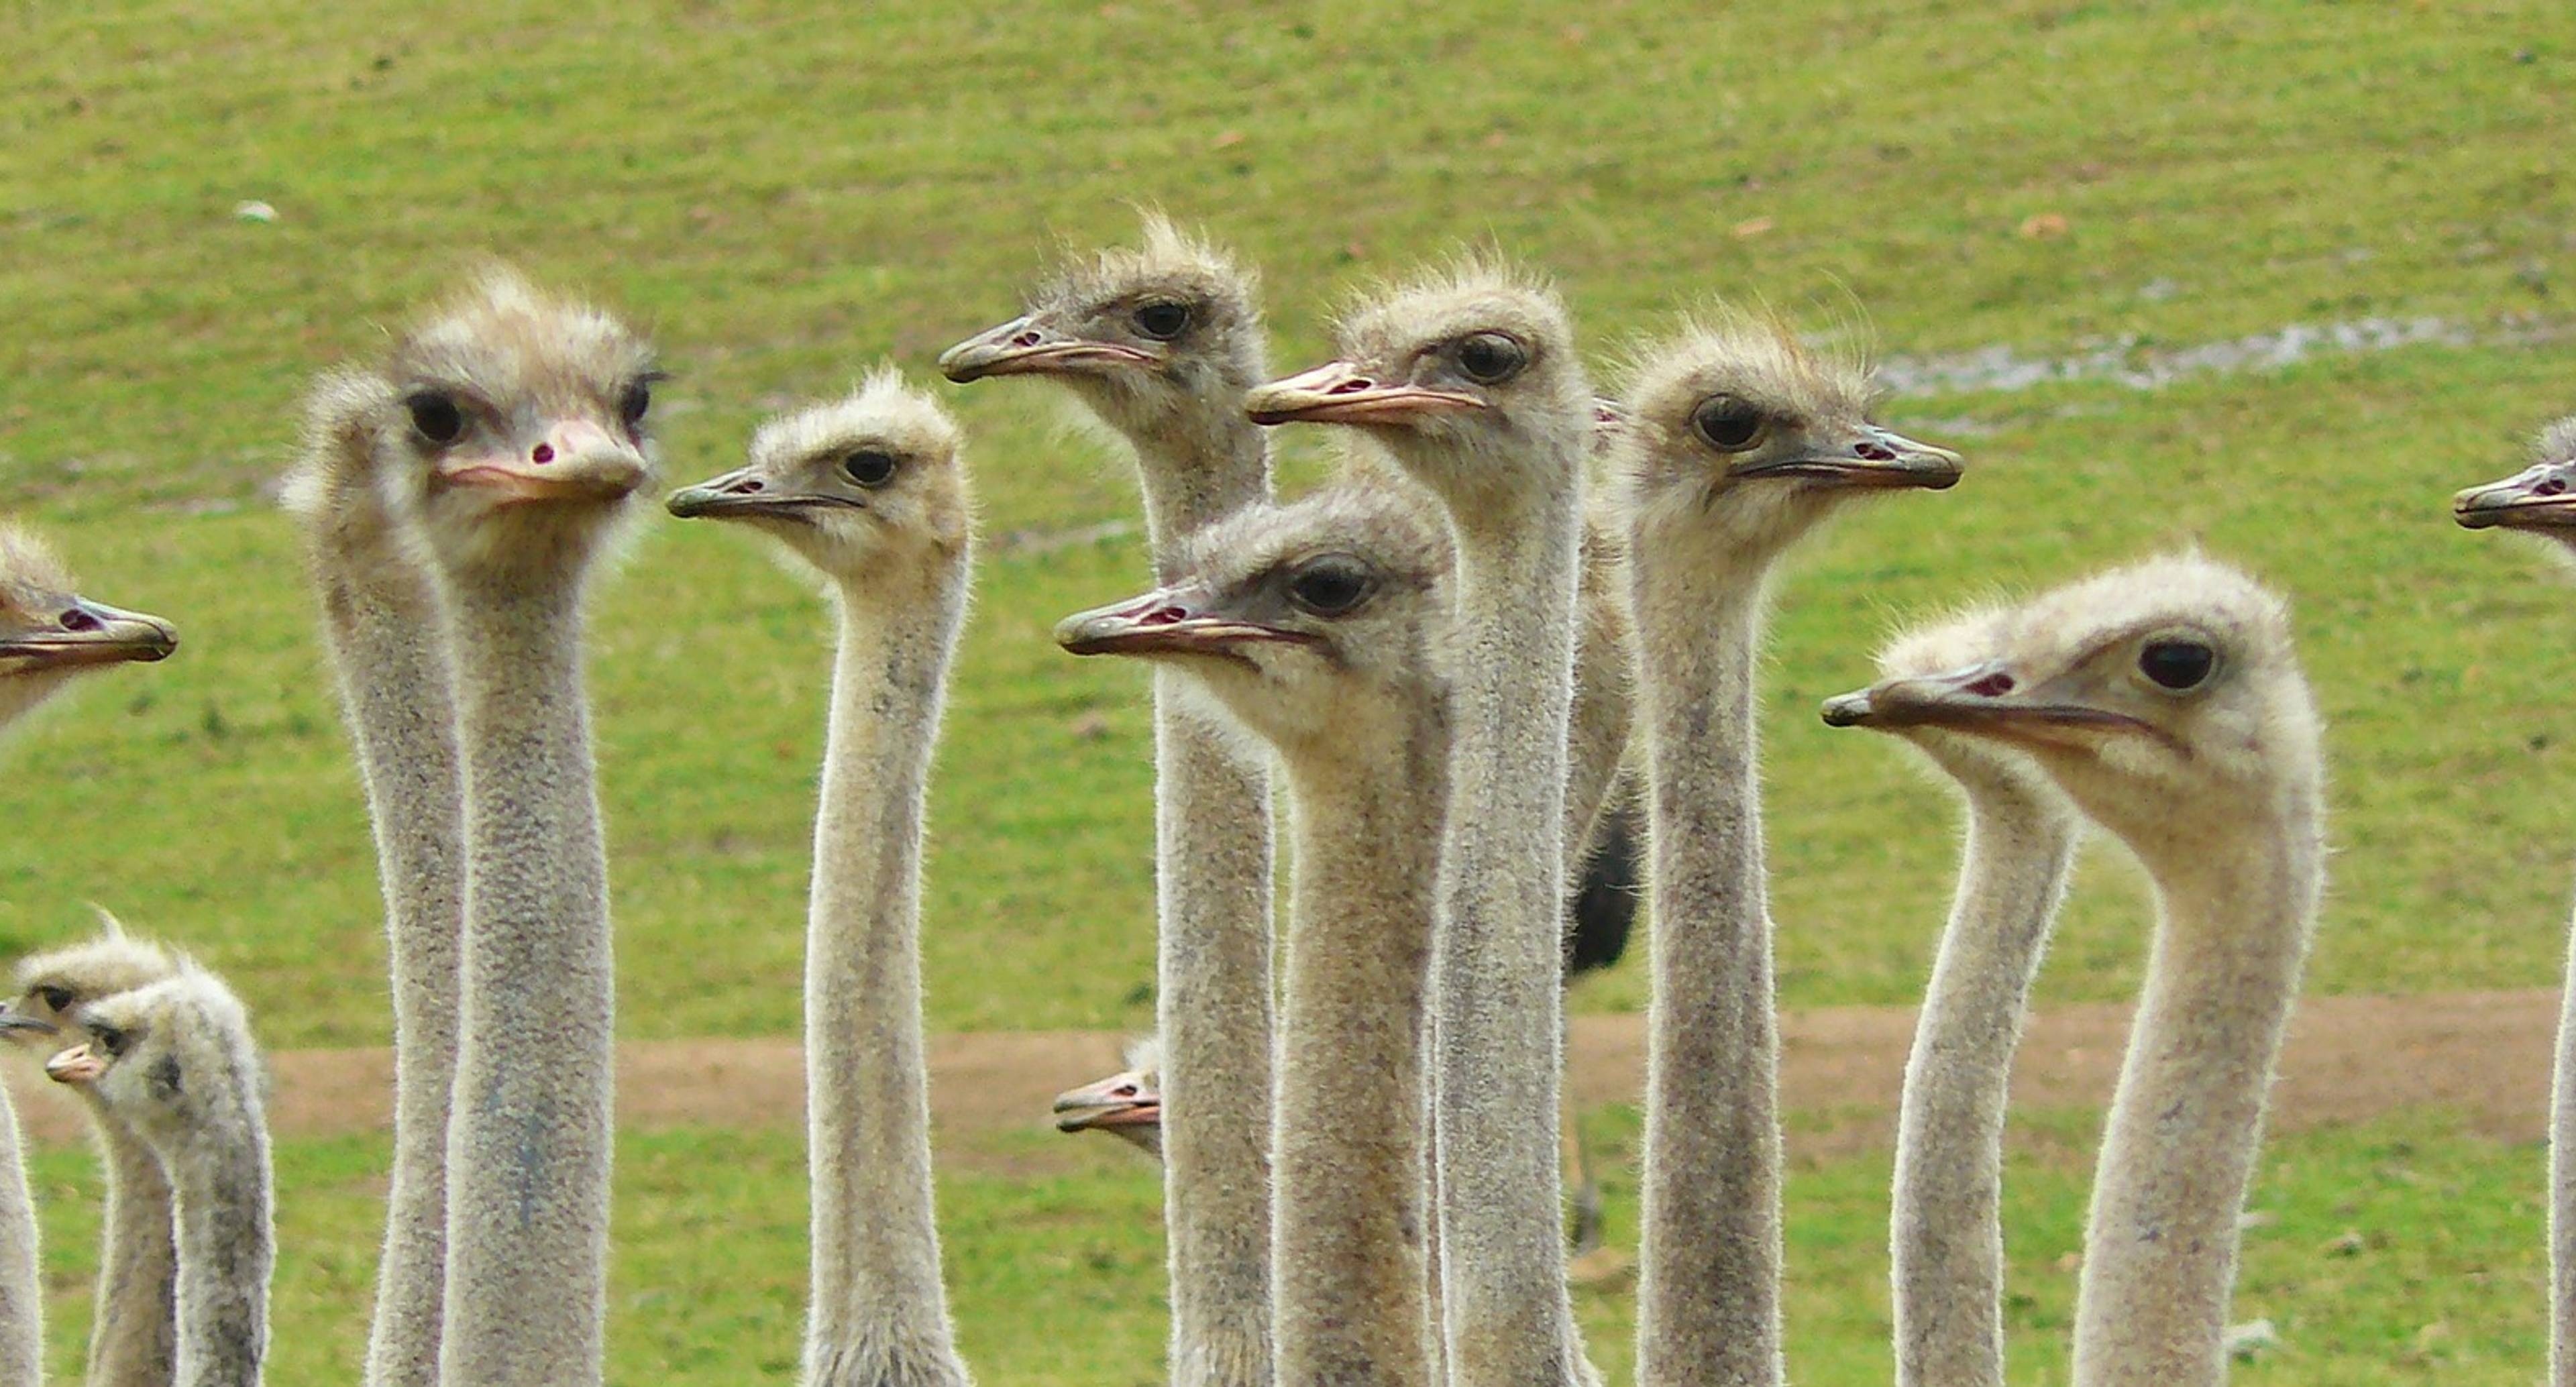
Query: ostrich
{"points": [[133, 1340], [1127, 1105], [2165, 699], [511, 448], [872, 492], [1947, 1245], [1470, 381], [174, 1060], [2541, 500], [1160, 342], [1738, 441], [1317, 625], [381, 624]]}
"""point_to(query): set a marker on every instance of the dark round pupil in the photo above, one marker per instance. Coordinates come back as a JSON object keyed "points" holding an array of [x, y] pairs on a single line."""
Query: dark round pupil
{"points": [[436, 416], [2176, 664], [1727, 422], [1329, 589], [632, 405], [112, 1041], [56, 998], [1162, 320], [1489, 356], [869, 467]]}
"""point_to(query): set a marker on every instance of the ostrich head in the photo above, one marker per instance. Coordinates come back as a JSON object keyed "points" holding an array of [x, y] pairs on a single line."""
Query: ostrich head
{"points": [[1469, 378], [174, 1058], [1974, 763], [507, 428], [1166, 333], [874, 479], [1314, 623], [51, 986], [1127, 1105], [1741, 439], [2539, 499], [49, 633], [2164, 698]]}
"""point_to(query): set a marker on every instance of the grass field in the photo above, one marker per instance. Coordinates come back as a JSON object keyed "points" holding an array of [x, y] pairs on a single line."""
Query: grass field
{"points": [[788, 192]]}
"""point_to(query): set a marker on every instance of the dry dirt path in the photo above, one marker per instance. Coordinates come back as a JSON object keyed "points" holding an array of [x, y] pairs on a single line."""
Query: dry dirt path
{"points": [[2484, 1054]]}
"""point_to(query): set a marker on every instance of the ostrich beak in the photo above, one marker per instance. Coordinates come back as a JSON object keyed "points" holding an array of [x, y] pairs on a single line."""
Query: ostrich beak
{"points": [[1339, 392], [743, 494], [1987, 700], [1848, 709], [1121, 1100], [576, 460], [1027, 346], [13, 1020], [2536, 498], [1874, 458], [90, 633], [1173, 621], [77, 1065]]}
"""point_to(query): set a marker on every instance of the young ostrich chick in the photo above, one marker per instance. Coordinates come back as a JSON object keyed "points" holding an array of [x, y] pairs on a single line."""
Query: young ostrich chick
{"points": [[49, 634], [175, 1060], [871, 491]]}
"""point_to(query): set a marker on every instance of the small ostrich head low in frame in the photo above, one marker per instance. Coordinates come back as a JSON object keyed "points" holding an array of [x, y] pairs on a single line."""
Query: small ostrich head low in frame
{"points": [[1141, 335], [174, 1058], [1472, 366], [49, 634], [1304, 621], [2538, 500], [1739, 434], [508, 427], [53, 985], [2165, 698], [1127, 1105], [858, 485]]}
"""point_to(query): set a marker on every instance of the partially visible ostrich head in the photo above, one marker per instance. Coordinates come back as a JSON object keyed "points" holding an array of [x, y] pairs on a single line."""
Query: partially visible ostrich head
{"points": [[508, 428], [1739, 438], [1928, 652], [1127, 1105], [1459, 375], [49, 633], [2165, 698], [854, 486], [2539, 500], [174, 1059], [53, 985], [1145, 336], [1312, 623]]}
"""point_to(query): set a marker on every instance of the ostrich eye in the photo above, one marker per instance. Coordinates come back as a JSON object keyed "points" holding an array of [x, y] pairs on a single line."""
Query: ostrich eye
{"points": [[869, 467], [112, 1040], [57, 998], [1163, 319], [1490, 358], [1727, 423], [2177, 664], [436, 416], [634, 401], [1329, 589]]}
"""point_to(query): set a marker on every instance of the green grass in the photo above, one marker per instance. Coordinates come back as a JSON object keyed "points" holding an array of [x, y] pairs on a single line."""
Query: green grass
{"points": [[788, 192], [2401, 1252]]}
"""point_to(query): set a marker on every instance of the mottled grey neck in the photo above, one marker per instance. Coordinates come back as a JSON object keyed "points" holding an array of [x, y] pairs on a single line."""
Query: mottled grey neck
{"points": [[1708, 1289], [2160, 1243], [1947, 1241], [879, 1315], [1497, 962], [1212, 851], [2562, 1188], [134, 1339], [22, 1288], [1352, 1145], [226, 1244], [382, 622], [529, 1137]]}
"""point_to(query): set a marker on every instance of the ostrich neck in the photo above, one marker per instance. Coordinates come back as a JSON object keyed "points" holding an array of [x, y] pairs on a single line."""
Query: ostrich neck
{"points": [[134, 1341], [1708, 1293], [1349, 1220], [2160, 1243], [528, 1145], [382, 622], [226, 1247], [1212, 856], [2562, 1187], [1947, 1248], [1497, 961], [876, 1290], [22, 1289]]}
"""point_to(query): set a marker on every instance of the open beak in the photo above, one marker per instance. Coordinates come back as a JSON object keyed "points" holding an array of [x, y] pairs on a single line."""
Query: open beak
{"points": [[1173, 621], [745, 494], [77, 1065], [1984, 700], [1121, 1100], [1338, 392], [2536, 498], [92, 633], [1027, 347], [1877, 459], [576, 461]]}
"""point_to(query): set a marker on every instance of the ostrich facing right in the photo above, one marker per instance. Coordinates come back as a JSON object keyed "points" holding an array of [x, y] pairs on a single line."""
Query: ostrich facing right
{"points": [[2166, 701], [1318, 626], [49, 634], [510, 449], [175, 1061], [1947, 1240], [1737, 442], [871, 491]]}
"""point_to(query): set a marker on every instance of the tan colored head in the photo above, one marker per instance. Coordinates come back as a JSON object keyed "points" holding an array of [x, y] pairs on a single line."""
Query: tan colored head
{"points": [[1143, 335], [1930, 651], [51, 986], [2538, 500], [1740, 438], [174, 1059], [870, 483], [50, 633], [1127, 1105]]}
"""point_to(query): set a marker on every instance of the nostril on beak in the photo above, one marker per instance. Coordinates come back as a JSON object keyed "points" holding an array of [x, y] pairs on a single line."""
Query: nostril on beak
{"points": [[543, 454], [1354, 383], [1874, 452], [1025, 339], [745, 487], [2551, 487], [1992, 686], [78, 620]]}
